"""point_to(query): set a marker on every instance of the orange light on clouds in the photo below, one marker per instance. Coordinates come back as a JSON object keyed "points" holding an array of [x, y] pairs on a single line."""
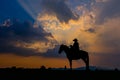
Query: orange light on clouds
{"points": [[70, 30]]}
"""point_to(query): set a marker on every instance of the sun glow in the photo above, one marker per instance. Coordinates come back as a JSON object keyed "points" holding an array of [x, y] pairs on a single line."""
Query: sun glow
{"points": [[65, 32]]}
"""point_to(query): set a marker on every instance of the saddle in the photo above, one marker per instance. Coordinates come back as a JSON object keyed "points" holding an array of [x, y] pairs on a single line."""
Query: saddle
{"points": [[74, 51]]}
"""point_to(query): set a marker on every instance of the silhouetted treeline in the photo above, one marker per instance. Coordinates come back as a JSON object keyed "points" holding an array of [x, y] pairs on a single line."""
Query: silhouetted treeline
{"points": [[50, 68], [44, 73]]}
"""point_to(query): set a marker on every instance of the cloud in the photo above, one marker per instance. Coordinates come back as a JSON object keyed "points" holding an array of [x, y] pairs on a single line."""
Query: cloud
{"points": [[58, 8], [106, 26], [37, 40], [24, 39], [108, 10], [54, 53], [109, 35]]}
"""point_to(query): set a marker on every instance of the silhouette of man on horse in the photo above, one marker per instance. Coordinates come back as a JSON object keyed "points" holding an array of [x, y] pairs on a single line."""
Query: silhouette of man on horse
{"points": [[74, 53], [75, 46]]}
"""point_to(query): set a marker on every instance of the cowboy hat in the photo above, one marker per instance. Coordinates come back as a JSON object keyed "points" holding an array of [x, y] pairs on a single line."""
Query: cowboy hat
{"points": [[75, 39]]}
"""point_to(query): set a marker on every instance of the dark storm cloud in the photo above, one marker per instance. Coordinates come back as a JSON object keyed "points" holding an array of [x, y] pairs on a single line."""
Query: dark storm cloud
{"points": [[22, 33], [7, 48], [110, 9], [58, 8]]}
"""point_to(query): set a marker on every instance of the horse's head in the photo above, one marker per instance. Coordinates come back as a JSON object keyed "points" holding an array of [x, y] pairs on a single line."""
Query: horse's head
{"points": [[61, 48]]}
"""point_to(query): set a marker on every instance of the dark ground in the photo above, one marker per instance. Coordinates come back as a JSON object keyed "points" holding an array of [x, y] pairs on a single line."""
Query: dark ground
{"points": [[49, 74]]}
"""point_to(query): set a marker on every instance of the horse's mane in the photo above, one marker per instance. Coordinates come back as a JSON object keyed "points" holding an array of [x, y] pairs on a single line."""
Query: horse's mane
{"points": [[65, 45]]}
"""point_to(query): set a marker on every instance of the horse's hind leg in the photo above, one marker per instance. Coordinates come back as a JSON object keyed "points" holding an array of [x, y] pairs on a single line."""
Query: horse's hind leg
{"points": [[86, 63], [70, 61]]}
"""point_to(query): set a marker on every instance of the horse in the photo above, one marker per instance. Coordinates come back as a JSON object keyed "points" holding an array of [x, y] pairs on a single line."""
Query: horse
{"points": [[75, 56]]}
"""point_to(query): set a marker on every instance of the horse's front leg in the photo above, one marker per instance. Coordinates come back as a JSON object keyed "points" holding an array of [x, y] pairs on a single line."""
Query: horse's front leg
{"points": [[87, 63], [70, 61]]}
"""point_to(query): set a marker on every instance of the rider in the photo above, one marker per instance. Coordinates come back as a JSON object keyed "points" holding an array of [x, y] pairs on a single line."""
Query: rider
{"points": [[75, 46]]}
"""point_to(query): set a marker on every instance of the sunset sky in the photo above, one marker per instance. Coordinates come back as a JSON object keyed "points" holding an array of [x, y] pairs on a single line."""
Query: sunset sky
{"points": [[31, 32]]}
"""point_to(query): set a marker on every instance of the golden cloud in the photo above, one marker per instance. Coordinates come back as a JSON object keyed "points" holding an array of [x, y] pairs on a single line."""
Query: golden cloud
{"points": [[65, 32], [37, 46]]}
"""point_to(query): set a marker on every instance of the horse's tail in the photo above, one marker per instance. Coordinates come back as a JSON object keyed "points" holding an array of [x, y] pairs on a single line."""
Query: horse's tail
{"points": [[87, 62]]}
